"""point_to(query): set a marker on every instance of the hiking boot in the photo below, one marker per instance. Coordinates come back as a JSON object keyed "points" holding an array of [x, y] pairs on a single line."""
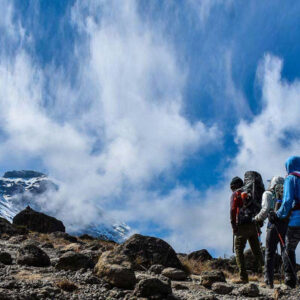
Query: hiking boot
{"points": [[290, 284], [270, 286]]}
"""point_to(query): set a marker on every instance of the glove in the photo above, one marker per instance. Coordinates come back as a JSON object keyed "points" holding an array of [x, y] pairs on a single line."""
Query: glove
{"points": [[273, 218], [258, 222]]}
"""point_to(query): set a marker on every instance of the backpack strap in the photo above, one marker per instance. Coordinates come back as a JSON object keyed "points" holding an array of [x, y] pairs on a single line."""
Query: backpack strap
{"points": [[297, 174]]}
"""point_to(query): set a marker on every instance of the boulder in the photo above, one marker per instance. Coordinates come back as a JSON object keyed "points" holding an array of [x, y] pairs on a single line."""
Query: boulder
{"points": [[174, 274], [116, 270], [249, 290], [32, 255], [5, 258], [74, 261], [145, 251], [153, 287], [37, 221], [210, 277], [117, 275], [221, 288], [200, 255]]}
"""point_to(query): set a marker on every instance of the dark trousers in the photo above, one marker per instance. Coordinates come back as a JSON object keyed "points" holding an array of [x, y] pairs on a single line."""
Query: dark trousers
{"points": [[292, 240], [247, 232], [272, 241]]}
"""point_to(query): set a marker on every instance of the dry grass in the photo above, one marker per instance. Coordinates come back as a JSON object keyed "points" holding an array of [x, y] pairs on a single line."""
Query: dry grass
{"points": [[66, 285], [193, 266], [27, 276]]}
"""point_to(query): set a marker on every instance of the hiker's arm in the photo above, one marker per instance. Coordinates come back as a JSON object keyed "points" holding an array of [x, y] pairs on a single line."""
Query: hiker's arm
{"points": [[266, 205], [288, 198], [233, 211]]}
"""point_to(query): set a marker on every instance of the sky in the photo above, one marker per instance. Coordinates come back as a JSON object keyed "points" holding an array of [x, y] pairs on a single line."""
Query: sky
{"points": [[143, 111]]}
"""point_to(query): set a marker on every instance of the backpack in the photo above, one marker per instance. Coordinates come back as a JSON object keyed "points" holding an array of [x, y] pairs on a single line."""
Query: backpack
{"points": [[253, 190]]}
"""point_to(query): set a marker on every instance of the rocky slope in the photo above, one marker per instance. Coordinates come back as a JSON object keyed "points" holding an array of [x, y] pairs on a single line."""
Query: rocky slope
{"points": [[56, 265], [21, 188]]}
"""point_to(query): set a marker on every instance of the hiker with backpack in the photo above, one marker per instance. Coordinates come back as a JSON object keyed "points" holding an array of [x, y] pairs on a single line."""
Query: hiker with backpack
{"points": [[245, 204], [271, 201], [290, 208]]}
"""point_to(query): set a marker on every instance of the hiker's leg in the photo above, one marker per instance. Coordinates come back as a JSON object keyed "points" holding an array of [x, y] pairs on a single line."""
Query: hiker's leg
{"points": [[271, 245], [240, 243], [292, 240], [282, 228], [256, 250]]}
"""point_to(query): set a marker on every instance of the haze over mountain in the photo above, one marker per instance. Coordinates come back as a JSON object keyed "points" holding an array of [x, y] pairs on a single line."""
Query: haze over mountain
{"points": [[19, 189]]}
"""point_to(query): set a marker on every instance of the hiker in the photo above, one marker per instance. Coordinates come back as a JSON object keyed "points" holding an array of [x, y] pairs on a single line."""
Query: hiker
{"points": [[271, 200], [290, 207], [243, 209]]}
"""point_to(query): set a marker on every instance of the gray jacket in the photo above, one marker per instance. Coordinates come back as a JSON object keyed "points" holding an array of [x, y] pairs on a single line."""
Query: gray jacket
{"points": [[268, 200]]}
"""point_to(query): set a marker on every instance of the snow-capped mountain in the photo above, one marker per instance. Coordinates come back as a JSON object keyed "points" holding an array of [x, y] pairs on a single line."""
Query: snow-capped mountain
{"points": [[21, 188]]}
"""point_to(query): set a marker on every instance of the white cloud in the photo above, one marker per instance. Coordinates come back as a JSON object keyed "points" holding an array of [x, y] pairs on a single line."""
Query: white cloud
{"points": [[116, 130], [204, 7]]}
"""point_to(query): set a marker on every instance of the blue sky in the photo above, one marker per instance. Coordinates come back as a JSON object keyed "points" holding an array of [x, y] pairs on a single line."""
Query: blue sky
{"points": [[156, 103]]}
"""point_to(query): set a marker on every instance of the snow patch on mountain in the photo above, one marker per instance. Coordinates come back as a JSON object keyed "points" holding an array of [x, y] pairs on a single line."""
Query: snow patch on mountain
{"points": [[21, 188]]}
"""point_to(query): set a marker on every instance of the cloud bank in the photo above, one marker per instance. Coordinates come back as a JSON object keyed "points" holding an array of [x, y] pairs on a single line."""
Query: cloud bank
{"points": [[114, 132]]}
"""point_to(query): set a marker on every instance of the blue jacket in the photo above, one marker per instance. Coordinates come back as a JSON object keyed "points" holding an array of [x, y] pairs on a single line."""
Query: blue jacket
{"points": [[291, 194]]}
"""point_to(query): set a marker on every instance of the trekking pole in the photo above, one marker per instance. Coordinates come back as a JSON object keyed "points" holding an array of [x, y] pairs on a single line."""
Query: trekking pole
{"points": [[280, 271], [233, 243], [286, 253]]}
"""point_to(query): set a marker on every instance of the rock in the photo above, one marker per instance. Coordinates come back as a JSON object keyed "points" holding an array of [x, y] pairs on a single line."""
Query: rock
{"points": [[174, 274], [116, 270], [200, 255], [221, 288], [249, 290], [156, 269], [153, 287], [116, 275], [5, 258], [93, 255], [37, 221], [210, 277], [32, 255], [9, 229], [144, 251], [74, 261]]}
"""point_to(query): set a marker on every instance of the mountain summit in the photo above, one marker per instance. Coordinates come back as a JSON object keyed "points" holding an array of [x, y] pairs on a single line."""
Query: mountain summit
{"points": [[21, 188]]}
